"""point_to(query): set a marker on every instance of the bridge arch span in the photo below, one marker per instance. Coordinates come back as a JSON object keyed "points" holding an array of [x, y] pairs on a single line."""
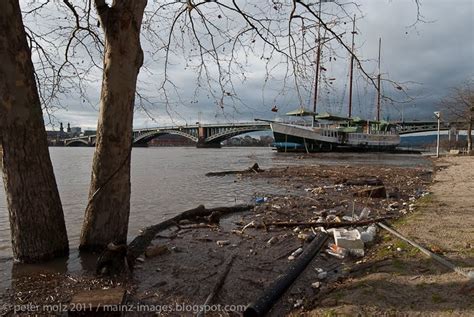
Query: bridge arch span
{"points": [[77, 142], [148, 136], [227, 134]]}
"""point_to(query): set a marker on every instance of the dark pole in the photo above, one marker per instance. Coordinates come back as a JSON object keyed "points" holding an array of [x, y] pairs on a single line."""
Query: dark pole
{"points": [[378, 84], [263, 304], [318, 61], [352, 68]]}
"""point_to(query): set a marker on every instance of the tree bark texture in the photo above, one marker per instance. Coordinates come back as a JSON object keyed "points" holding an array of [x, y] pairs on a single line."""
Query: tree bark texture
{"points": [[36, 216], [108, 209]]}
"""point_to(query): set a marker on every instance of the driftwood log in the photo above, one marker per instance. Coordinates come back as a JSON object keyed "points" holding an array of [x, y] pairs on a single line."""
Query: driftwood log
{"points": [[118, 259], [370, 181], [253, 169], [329, 224]]}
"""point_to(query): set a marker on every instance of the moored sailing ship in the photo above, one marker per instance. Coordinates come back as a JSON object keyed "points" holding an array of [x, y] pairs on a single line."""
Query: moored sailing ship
{"points": [[336, 133]]}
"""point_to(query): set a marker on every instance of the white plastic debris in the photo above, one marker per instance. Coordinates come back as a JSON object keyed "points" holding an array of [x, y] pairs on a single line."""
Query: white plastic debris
{"points": [[364, 214], [272, 240], [322, 275], [295, 254], [348, 239], [298, 303], [316, 284], [222, 243], [303, 236], [336, 251], [369, 234]]}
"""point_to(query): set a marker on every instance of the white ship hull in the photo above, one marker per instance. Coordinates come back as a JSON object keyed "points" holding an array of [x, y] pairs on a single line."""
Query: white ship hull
{"points": [[295, 137]]}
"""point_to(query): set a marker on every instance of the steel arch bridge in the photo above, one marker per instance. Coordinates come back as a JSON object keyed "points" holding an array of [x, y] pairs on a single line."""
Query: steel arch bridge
{"points": [[204, 135]]}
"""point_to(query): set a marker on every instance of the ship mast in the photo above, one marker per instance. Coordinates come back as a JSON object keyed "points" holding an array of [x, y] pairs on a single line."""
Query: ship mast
{"points": [[378, 84], [318, 62], [352, 67]]}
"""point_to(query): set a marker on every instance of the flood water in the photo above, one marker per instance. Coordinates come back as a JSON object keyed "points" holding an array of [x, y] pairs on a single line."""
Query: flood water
{"points": [[167, 181]]}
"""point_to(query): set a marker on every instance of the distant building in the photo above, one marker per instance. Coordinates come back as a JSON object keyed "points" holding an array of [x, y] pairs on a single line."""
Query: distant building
{"points": [[76, 130], [89, 132], [57, 137]]}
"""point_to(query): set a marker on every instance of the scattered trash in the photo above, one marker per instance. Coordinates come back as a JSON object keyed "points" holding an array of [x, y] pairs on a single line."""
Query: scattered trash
{"points": [[322, 275], [348, 218], [222, 243], [261, 200], [364, 214], [399, 249], [348, 239], [272, 240], [369, 234], [393, 206], [298, 303], [303, 236], [141, 260], [295, 254], [336, 251], [316, 284]]}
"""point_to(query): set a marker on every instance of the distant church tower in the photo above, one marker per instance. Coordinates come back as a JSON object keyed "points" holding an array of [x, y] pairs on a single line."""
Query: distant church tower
{"points": [[68, 127], [61, 128]]}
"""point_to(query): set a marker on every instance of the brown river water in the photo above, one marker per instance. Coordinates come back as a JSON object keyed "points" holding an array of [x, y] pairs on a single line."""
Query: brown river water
{"points": [[167, 181]]}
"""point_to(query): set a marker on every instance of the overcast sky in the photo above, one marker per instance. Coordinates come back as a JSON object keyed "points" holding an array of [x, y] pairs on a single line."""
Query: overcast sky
{"points": [[429, 57]]}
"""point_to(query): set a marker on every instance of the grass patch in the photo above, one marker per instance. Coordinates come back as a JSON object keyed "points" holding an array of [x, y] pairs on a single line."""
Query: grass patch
{"points": [[330, 313], [407, 248], [399, 265], [383, 252], [425, 200]]}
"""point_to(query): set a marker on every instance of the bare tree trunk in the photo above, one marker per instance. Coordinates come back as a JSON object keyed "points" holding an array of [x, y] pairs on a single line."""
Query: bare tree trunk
{"points": [[107, 213], [36, 217]]}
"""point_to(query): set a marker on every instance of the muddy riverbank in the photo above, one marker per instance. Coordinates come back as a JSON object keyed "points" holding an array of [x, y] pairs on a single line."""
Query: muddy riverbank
{"points": [[186, 271], [402, 281]]}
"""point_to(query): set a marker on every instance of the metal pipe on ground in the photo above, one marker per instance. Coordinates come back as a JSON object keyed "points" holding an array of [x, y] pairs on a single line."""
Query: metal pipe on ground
{"points": [[443, 261], [263, 304]]}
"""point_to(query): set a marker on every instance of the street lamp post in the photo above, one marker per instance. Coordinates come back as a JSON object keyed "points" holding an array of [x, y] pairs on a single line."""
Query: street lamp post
{"points": [[438, 116]]}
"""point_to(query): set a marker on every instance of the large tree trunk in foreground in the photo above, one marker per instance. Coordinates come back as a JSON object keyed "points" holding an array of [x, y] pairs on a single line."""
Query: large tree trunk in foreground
{"points": [[107, 213], [36, 216]]}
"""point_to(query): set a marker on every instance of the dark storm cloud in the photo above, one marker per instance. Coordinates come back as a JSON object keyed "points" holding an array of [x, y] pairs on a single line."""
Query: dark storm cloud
{"points": [[431, 57]]}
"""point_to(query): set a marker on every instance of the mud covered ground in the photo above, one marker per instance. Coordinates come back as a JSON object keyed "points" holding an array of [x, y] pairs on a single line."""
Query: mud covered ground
{"points": [[195, 253]]}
